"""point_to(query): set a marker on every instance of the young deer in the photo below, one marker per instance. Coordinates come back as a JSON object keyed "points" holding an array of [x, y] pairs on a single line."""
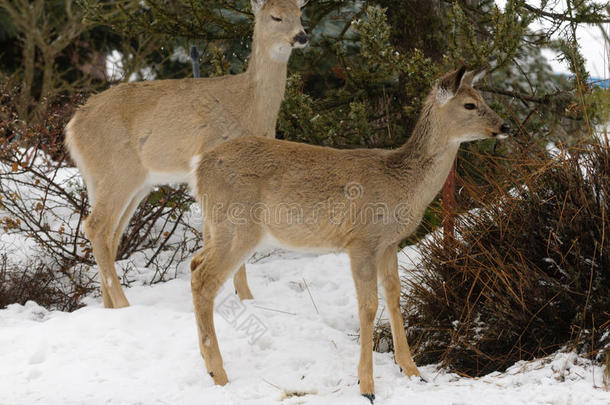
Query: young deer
{"points": [[363, 202], [137, 135]]}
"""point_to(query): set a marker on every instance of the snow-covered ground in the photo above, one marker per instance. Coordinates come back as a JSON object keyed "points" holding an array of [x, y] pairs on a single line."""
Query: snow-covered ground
{"points": [[278, 348]]}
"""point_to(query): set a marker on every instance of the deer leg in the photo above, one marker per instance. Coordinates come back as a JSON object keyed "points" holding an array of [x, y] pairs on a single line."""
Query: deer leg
{"points": [[211, 267], [365, 279], [111, 201], [240, 282], [126, 216], [391, 284]]}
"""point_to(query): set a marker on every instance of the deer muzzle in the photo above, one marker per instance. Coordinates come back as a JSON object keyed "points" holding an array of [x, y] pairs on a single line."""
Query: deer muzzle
{"points": [[300, 40], [504, 131]]}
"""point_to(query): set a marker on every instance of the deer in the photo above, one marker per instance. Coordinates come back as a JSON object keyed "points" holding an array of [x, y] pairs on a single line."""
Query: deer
{"points": [[138, 135], [360, 201]]}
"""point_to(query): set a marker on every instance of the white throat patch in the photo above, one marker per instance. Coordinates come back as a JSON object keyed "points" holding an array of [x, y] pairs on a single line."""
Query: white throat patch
{"points": [[471, 137], [443, 96], [280, 52]]}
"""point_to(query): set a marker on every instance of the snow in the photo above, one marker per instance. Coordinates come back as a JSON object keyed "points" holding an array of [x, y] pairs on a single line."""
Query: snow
{"points": [[116, 68], [297, 353], [295, 343]]}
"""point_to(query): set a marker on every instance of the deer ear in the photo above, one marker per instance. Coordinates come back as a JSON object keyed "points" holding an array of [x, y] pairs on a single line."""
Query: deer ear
{"points": [[449, 84], [451, 81], [301, 3], [257, 5], [472, 77], [478, 75]]}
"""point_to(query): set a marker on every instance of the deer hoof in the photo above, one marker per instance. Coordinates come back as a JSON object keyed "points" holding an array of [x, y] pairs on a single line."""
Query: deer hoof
{"points": [[244, 296], [410, 371], [370, 397], [220, 378]]}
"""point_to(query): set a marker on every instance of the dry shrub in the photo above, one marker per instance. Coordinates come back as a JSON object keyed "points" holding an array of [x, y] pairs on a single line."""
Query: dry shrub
{"points": [[42, 283], [526, 274]]}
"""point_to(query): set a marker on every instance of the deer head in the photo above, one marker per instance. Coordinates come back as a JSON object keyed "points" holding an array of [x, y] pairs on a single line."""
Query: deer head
{"points": [[462, 112], [279, 26]]}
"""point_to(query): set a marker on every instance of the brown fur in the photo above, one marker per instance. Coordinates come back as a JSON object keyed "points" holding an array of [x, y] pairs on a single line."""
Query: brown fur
{"points": [[364, 202], [136, 135]]}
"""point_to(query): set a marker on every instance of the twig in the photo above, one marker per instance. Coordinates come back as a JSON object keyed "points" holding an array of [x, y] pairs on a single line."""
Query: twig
{"points": [[273, 385], [523, 97], [563, 17], [274, 310], [310, 296]]}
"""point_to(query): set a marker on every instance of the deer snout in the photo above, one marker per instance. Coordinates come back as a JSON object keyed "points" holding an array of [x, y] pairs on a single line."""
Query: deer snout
{"points": [[504, 131], [300, 39]]}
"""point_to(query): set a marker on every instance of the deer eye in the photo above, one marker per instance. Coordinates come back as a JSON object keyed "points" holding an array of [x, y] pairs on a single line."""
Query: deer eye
{"points": [[276, 18], [470, 106]]}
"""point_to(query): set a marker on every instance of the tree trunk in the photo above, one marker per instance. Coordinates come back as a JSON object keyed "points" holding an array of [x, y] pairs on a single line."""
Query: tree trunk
{"points": [[29, 61]]}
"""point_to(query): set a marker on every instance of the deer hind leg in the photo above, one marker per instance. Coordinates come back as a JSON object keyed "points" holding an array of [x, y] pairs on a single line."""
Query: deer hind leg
{"points": [[364, 272], [240, 282], [112, 199], [211, 267], [391, 284]]}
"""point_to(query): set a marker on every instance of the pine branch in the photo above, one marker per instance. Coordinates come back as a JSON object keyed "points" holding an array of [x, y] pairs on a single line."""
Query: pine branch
{"points": [[546, 99], [590, 18]]}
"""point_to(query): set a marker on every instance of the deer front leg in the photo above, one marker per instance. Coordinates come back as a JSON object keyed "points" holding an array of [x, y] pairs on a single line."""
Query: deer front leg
{"points": [[365, 279], [240, 282], [391, 284]]}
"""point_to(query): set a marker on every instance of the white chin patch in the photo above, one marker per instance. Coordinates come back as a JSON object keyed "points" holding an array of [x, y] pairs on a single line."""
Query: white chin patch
{"points": [[471, 137], [501, 136], [443, 96], [280, 52]]}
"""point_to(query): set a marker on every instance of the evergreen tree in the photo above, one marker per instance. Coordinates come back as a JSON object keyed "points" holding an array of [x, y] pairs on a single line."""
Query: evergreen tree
{"points": [[362, 80]]}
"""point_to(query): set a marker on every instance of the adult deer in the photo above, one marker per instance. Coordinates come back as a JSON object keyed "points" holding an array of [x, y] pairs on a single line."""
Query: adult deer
{"points": [[363, 202], [134, 136]]}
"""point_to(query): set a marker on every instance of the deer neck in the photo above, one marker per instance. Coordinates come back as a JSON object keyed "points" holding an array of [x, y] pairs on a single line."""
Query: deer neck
{"points": [[425, 160], [268, 79]]}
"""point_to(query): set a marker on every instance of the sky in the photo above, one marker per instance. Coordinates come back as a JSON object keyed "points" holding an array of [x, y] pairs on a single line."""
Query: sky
{"points": [[590, 39]]}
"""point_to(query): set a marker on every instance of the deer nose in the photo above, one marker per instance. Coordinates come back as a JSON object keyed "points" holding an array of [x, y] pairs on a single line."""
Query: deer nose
{"points": [[301, 38], [505, 128]]}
